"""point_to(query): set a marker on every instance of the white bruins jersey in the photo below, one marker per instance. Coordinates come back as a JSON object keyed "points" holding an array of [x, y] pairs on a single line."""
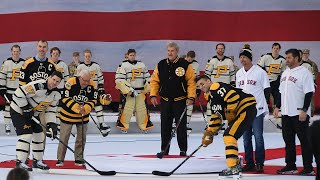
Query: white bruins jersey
{"points": [[95, 72], [294, 85], [254, 81], [37, 95], [135, 73], [309, 67], [195, 66], [220, 70], [273, 67], [9, 75], [63, 68]]}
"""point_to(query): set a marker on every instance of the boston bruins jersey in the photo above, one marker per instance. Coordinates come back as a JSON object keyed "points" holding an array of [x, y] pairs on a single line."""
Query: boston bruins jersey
{"points": [[135, 73], [36, 95], [273, 66], [74, 96], [195, 66], [95, 73], [9, 75], [63, 68], [309, 67], [220, 70], [227, 101], [33, 70]]}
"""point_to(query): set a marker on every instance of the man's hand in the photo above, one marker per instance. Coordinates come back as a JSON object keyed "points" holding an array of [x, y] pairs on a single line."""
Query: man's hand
{"points": [[51, 130], [189, 102], [28, 112], [81, 109], [303, 116], [276, 112], [207, 138], [154, 101]]}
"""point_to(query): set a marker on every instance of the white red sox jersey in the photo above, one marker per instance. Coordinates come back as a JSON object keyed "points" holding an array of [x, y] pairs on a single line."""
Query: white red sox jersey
{"points": [[135, 73], [273, 66], [195, 66], [95, 73], [37, 95], [294, 84], [63, 68], [220, 70], [9, 75], [254, 81]]}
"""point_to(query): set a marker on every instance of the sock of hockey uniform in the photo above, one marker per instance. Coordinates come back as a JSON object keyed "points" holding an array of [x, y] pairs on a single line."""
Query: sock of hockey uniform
{"points": [[7, 117], [38, 146], [231, 150], [23, 147]]}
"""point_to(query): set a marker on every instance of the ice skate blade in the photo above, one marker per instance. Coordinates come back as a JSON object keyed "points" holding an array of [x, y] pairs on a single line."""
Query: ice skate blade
{"points": [[238, 176], [41, 171]]}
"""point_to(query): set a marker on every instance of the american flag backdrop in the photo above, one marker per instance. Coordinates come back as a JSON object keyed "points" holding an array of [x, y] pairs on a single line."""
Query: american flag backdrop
{"points": [[110, 27]]}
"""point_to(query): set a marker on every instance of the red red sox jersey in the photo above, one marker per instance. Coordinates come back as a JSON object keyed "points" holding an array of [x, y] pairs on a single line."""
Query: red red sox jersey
{"points": [[254, 81], [294, 84]]}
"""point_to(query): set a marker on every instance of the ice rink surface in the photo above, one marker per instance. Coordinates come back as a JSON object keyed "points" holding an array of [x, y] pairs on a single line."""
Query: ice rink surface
{"points": [[135, 153]]}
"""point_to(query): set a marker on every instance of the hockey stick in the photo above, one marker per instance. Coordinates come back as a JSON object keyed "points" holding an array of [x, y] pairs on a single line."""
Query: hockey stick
{"points": [[102, 173], [96, 125], [160, 154], [276, 125], [204, 117], [162, 173]]}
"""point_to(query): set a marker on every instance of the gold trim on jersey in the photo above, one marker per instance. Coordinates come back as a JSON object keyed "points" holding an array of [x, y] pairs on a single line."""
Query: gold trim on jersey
{"points": [[237, 123]]}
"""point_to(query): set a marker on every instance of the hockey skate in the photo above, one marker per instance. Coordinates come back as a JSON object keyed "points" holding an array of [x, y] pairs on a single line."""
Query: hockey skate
{"points": [[8, 129], [104, 129], [124, 131], [39, 165], [234, 172], [20, 164]]}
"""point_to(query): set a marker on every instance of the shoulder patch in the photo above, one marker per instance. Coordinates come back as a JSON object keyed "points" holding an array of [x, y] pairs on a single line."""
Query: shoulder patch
{"points": [[29, 89], [214, 86], [68, 85]]}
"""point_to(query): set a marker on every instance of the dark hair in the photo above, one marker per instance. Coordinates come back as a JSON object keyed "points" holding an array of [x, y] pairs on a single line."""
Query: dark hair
{"points": [[205, 77], [15, 46], [294, 52], [276, 44], [131, 51], [57, 73], [44, 41], [55, 49], [220, 44], [75, 54], [191, 54], [18, 174]]}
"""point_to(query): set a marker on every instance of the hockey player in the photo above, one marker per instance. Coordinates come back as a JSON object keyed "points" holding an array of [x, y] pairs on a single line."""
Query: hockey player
{"points": [[79, 98], [254, 80], [132, 79], [232, 104], [75, 62], [296, 90], [274, 64], [97, 77], [220, 68], [28, 102], [190, 57], [314, 140], [9, 81]]}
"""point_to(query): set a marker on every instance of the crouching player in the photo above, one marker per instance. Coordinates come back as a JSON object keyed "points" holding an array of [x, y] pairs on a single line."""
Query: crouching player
{"points": [[238, 108], [28, 102]]}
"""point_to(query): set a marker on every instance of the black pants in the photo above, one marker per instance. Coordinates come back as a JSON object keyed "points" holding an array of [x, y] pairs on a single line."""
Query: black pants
{"points": [[314, 141], [290, 127], [274, 86], [172, 110]]}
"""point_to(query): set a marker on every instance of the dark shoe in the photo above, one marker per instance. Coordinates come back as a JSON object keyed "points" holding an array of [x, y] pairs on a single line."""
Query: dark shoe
{"points": [[37, 164], [307, 172], [288, 170], [259, 168], [248, 168], [183, 153], [59, 163], [79, 163]]}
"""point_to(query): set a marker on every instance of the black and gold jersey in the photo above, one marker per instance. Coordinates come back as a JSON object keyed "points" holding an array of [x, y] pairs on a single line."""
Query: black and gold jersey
{"points": [[33, 70], [226, 103], [73, 97]]}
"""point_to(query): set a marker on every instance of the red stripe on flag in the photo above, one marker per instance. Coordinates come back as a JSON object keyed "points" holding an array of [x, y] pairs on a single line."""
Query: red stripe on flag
{"points": [[161, 25]]}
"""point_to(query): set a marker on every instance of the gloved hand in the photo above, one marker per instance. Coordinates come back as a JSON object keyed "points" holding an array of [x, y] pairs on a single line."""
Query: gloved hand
{"points": [[104, 129], [105, 99], [207, 138], [27, 112], [132, 92], [51, 130], [2, 92], [198, 92]]}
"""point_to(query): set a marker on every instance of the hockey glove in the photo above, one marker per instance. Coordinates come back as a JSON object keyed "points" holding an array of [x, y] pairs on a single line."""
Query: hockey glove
{"points": [[198, 92], [27, 112], [105, 99], [207, 138], [104, 129], [51, 130], [133, 93]]}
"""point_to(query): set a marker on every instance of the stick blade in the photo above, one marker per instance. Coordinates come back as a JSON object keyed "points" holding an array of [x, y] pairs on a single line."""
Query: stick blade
{"points": [[161, 173], [107, 173]]}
